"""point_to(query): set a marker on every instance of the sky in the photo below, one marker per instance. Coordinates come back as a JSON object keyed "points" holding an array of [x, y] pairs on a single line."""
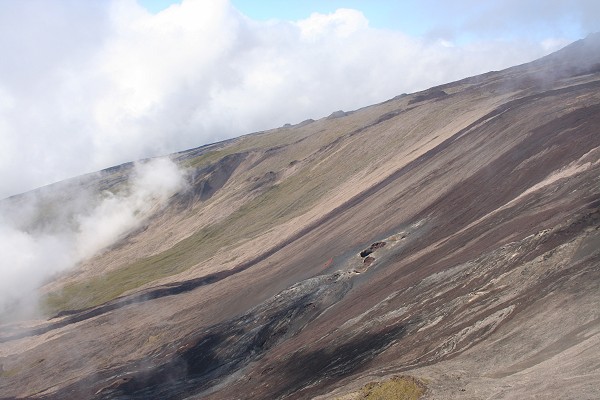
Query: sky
{"points": [[86, 85]]}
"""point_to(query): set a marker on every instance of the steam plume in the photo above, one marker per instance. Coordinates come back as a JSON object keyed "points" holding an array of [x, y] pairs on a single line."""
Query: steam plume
{"points": [[39, 238]]}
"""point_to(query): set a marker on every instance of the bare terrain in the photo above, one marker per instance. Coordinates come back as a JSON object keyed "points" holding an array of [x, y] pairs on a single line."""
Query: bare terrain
{"points": [[450, 235]]}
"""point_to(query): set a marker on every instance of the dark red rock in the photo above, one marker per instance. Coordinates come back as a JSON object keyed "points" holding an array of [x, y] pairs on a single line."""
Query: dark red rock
{"points": [[368, 261]]}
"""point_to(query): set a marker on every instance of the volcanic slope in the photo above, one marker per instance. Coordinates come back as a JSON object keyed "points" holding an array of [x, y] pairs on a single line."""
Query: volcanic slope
{"points": [[452, 235]]}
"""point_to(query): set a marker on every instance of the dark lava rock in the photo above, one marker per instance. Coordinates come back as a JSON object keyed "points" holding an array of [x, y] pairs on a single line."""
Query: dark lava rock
{"points": [[377, 245], [305, 122], [337, 114], [365, 252], [372, 248], [430, 95]]}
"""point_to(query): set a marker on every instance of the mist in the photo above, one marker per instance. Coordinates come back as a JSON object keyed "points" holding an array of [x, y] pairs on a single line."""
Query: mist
{"points": [[48, 232]]}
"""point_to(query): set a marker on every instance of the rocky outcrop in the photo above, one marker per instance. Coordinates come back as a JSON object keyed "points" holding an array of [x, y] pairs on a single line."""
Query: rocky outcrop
{"points": [[337, 114], [372, 248], [428, 95], [206, 181]]}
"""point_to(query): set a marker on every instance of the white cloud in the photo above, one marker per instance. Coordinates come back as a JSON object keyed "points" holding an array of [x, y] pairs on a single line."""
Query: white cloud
{"points": [[50, 233], [552, 44], [342, 24], [151, 184], [87, 85], [26, 261], [514, 19]]}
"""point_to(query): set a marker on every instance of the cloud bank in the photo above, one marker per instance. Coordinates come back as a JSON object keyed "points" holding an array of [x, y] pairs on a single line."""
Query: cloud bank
{"points": [[87, 85], [44, 235]]}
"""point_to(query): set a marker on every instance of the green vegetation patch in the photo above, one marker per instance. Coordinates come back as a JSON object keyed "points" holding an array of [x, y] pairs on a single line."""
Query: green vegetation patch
{"points": [[397, 388], [207, 158], [275, 206], [8, 373], [255, 141]]}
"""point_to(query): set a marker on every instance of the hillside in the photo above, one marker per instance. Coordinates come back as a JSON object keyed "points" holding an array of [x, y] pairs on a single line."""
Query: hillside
{"points": [[450, 235]]}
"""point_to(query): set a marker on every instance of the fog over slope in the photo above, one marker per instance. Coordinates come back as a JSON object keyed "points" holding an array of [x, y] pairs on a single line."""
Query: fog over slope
{"points": [[57, 227]]}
